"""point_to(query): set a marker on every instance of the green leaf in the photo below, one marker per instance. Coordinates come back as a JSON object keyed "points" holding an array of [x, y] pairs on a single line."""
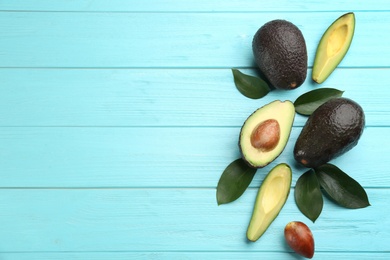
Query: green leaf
{"points": [[234, 181], [310, 101], [344, 190], [249, 86], [308, 195]]}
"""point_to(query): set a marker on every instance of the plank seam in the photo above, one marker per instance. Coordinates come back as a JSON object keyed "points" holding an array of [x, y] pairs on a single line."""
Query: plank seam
{"points": [[194, 12]]}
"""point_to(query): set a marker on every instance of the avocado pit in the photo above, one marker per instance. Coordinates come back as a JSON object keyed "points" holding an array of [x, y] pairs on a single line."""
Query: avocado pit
{"points": [[266, 135]]}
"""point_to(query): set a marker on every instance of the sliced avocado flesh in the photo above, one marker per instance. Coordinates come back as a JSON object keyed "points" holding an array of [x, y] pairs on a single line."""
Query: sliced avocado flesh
{"points": [[270, 199], [333, 46], [279, 116]]}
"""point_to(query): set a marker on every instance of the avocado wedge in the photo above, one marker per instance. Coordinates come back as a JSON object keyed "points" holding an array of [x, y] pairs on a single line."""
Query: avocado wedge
{"points": [[333, 46], [270, 199]]}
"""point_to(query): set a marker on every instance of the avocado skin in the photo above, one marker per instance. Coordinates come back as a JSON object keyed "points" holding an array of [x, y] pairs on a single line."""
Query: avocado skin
{"points": [[280, 52], [333, 129]]}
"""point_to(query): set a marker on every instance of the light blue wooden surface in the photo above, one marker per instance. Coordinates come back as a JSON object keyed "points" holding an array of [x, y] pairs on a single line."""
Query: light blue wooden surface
{"points": [[118, 118]]}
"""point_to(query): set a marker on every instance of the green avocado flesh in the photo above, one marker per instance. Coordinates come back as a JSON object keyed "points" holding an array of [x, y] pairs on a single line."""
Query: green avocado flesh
{"points": [[333, 46], [265, 133], [270, 199], [333, 129], [279, 49]]}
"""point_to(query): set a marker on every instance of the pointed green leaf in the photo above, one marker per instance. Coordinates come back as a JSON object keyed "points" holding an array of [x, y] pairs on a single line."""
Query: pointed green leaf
{"points": [[308, 195], [342, 188], [234, 181], [310, 101], [249, 86]]}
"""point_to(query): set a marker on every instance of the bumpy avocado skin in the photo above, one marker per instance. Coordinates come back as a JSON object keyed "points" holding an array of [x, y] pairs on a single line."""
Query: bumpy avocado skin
{"points": [[333, 129], [280, 52]]}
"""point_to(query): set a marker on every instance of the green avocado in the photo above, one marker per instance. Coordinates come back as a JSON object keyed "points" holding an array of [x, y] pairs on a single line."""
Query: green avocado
{"points": [[280, 52], [333, 46], [264, 134], [332, 129], [270, 199]]}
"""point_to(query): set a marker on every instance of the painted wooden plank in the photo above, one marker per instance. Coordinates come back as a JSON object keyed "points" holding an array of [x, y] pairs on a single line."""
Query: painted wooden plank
{"points": [[129, 40], [173, 220], [92, 221], [162, 97], [188, 255], [192, 6], [155, 157]]}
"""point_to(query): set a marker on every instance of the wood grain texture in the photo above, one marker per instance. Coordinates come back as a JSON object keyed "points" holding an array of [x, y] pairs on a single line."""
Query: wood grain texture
{"points": [[194, 6], [195, 40], [162, 97], [191, 255], [154, 157], [118, 117], [173, 220]]}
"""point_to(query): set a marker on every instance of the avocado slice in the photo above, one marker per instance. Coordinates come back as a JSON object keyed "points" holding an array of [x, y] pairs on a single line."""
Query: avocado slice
{"points": [[333, 46], [333, 129], [279, 49], [265, 133], [270, 199]]}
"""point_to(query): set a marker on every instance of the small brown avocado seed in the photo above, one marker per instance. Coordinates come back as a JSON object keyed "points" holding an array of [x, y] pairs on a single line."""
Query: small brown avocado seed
{"points": [[266, 135], [299, 237]]}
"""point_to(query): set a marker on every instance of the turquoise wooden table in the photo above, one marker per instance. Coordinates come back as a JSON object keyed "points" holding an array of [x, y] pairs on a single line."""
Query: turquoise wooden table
{"points": [[118, 118]]}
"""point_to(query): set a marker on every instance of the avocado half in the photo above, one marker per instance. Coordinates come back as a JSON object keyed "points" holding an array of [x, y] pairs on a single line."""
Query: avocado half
{"points": [[279, 49], [333, 129], [271, 197], [265, 133], [333, 46]]}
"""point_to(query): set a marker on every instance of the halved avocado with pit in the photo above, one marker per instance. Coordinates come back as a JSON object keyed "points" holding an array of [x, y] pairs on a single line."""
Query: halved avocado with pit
{"points": [[270, 199], [333, 46], [265, 133]]}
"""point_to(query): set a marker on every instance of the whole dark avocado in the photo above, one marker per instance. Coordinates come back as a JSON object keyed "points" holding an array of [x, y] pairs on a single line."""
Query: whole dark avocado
{"points": [[333, 129], [280, 52]]}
